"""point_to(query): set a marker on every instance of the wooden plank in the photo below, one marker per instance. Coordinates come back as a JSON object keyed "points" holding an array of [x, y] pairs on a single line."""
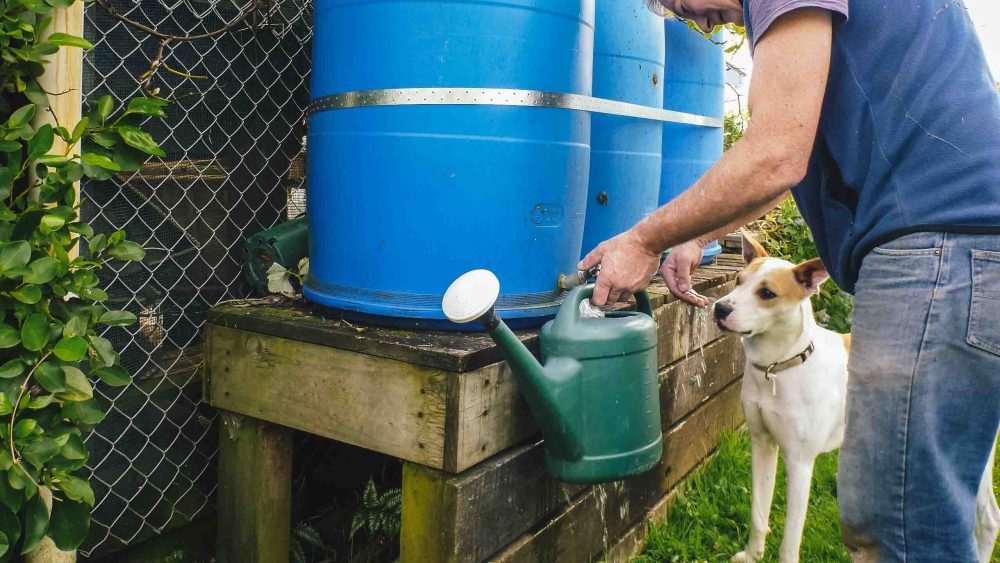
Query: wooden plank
{"points": [[590, 524], [682, 327], [509, 493], [690, 382], [255, 478], [445, 519], [490, 415], [382, 405], [451, 351], [436, 418]]}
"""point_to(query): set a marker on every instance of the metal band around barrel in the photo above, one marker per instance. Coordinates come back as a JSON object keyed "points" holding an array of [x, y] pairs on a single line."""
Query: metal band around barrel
{"points": [[502, 97]]}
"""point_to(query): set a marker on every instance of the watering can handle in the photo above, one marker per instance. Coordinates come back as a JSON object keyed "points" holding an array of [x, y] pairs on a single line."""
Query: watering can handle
{"points": [[579, 293]]}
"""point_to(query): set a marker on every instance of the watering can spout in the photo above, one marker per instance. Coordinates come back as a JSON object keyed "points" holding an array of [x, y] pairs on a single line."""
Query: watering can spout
{"points": [[471, 298]]}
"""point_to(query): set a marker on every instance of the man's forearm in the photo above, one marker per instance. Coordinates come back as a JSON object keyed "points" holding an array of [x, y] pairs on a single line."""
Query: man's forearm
{"points": [[748, 180], [738, 224]]}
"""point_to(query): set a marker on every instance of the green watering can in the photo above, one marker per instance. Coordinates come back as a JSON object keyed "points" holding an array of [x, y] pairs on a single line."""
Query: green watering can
{"points": [[596, 398]]}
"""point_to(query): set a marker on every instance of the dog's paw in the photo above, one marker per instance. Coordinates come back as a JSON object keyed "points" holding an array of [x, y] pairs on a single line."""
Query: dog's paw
{"points": [[746, 557]]}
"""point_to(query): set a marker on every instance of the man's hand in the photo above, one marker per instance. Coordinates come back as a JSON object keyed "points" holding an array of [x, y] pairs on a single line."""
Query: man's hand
{"points": [[682, 261], [627, 265]]}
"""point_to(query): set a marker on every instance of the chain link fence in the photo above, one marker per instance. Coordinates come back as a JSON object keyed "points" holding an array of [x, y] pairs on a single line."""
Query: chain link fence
{"points": [[234, 166]]}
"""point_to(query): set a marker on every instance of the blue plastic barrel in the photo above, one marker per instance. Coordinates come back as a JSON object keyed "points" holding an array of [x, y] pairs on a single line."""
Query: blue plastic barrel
{"points": [[694, 83], [403, 199], [625, 151]]}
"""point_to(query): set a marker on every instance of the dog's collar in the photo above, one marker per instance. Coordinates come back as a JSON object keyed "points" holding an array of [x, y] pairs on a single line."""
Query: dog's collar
{"points": [[796, 360]]}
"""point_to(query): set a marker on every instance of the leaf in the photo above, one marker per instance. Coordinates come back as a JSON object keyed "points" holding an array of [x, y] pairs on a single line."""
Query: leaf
{"points": [[28, 294], [67, 40], [147, 106], [5, 406], [12, 368], [127, 250], [78, 387], [94, 293], [44, 269], [80, 129], [36, 522], [74, 448], [37, 403], [72, 349], [115, 376], [10, 524], [35, 332], [81, 228], [25, 427], [105, 105], [137, 138], [98, 243], [99, 161], [14, 255], [51, 223], [77, 489], [40, 451], [12, 499], [17, 479], [50, 376], [40, 142], [21, 117], [84, 412], [9, 337], [117, 318], [75, 326], [70, 524], [105, 351]]}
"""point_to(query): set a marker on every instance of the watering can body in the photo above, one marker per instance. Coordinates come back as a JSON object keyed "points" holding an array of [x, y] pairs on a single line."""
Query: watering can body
{"points": [[608, 397], [595, 399]]}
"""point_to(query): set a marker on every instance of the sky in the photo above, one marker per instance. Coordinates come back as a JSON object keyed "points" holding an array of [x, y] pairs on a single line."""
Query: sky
{"points": [[985, 15]]}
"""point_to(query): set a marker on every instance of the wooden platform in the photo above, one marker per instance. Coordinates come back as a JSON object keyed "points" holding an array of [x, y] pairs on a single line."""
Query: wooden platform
{"points": [[474, 486]]}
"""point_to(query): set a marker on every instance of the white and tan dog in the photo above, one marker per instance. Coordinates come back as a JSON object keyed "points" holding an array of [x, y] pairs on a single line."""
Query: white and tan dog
{"points": [[794, 393]]}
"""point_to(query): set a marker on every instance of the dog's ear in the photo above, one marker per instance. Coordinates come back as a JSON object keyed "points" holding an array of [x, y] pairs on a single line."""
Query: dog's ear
{"points": [[751, 248], [811, 274]]}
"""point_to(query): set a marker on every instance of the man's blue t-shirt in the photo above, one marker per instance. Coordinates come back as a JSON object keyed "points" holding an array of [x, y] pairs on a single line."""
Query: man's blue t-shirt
{"points": [[909, 136]]}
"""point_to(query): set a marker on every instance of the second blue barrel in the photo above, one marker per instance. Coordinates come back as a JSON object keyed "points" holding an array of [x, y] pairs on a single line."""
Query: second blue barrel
{"points": [[694, 83], [625, 151], [405, 198]]}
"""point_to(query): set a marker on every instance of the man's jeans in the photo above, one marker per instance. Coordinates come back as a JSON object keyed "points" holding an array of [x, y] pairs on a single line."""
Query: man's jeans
{"points": [[923, 397]]}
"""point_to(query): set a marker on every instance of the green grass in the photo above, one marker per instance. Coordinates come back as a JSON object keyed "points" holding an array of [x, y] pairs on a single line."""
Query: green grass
{"points": [[709, 520]]}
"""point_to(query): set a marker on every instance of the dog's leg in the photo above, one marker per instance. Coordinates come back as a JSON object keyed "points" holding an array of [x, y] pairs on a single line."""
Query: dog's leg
{"points": [[799, 478], [764, 466], [987, 514]]}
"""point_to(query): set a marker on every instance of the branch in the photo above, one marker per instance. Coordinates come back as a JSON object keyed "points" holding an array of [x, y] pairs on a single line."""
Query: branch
{"points": [[146, 79]]}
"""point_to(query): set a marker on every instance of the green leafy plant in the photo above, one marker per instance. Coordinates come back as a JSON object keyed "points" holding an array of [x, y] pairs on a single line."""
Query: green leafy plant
{"points": [[51, 348], [380, 514], [304, 535], [785, 234]]}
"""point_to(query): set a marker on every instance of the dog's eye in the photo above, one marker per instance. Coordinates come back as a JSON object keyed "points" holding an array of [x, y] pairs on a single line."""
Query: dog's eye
{"points": [[766, 294]]}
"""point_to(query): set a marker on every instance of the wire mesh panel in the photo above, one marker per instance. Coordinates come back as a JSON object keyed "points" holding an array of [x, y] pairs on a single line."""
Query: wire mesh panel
{"points": [[233, 139]]}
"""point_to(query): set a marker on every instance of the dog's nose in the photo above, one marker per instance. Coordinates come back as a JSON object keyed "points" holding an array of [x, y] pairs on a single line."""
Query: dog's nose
{"points": [[722, 310]]}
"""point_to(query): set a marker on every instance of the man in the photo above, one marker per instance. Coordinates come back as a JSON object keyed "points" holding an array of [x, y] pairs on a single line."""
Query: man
{"points": [[884, 120]]}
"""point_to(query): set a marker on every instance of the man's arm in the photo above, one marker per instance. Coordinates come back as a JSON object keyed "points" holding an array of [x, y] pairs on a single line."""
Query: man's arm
{"points": [[738, 224], [791, 66]]}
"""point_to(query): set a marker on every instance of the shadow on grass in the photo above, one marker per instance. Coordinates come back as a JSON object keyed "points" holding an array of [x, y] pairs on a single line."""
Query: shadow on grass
{"points": [[710, 520]]}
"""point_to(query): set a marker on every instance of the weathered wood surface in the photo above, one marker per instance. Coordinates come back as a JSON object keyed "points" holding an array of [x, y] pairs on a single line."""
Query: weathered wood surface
{"points": [[434, 416], [682, 328], [255, 476], [693, 380], [451, 351], [428, 416], [511, 492], [596, 518]]}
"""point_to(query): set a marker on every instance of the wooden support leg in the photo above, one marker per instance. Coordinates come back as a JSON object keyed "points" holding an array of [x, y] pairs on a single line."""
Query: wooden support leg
{"points": [[255, 476]]}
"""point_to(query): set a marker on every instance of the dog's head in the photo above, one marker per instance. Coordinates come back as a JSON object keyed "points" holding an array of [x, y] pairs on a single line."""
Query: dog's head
{"points": [[767, 291]]}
